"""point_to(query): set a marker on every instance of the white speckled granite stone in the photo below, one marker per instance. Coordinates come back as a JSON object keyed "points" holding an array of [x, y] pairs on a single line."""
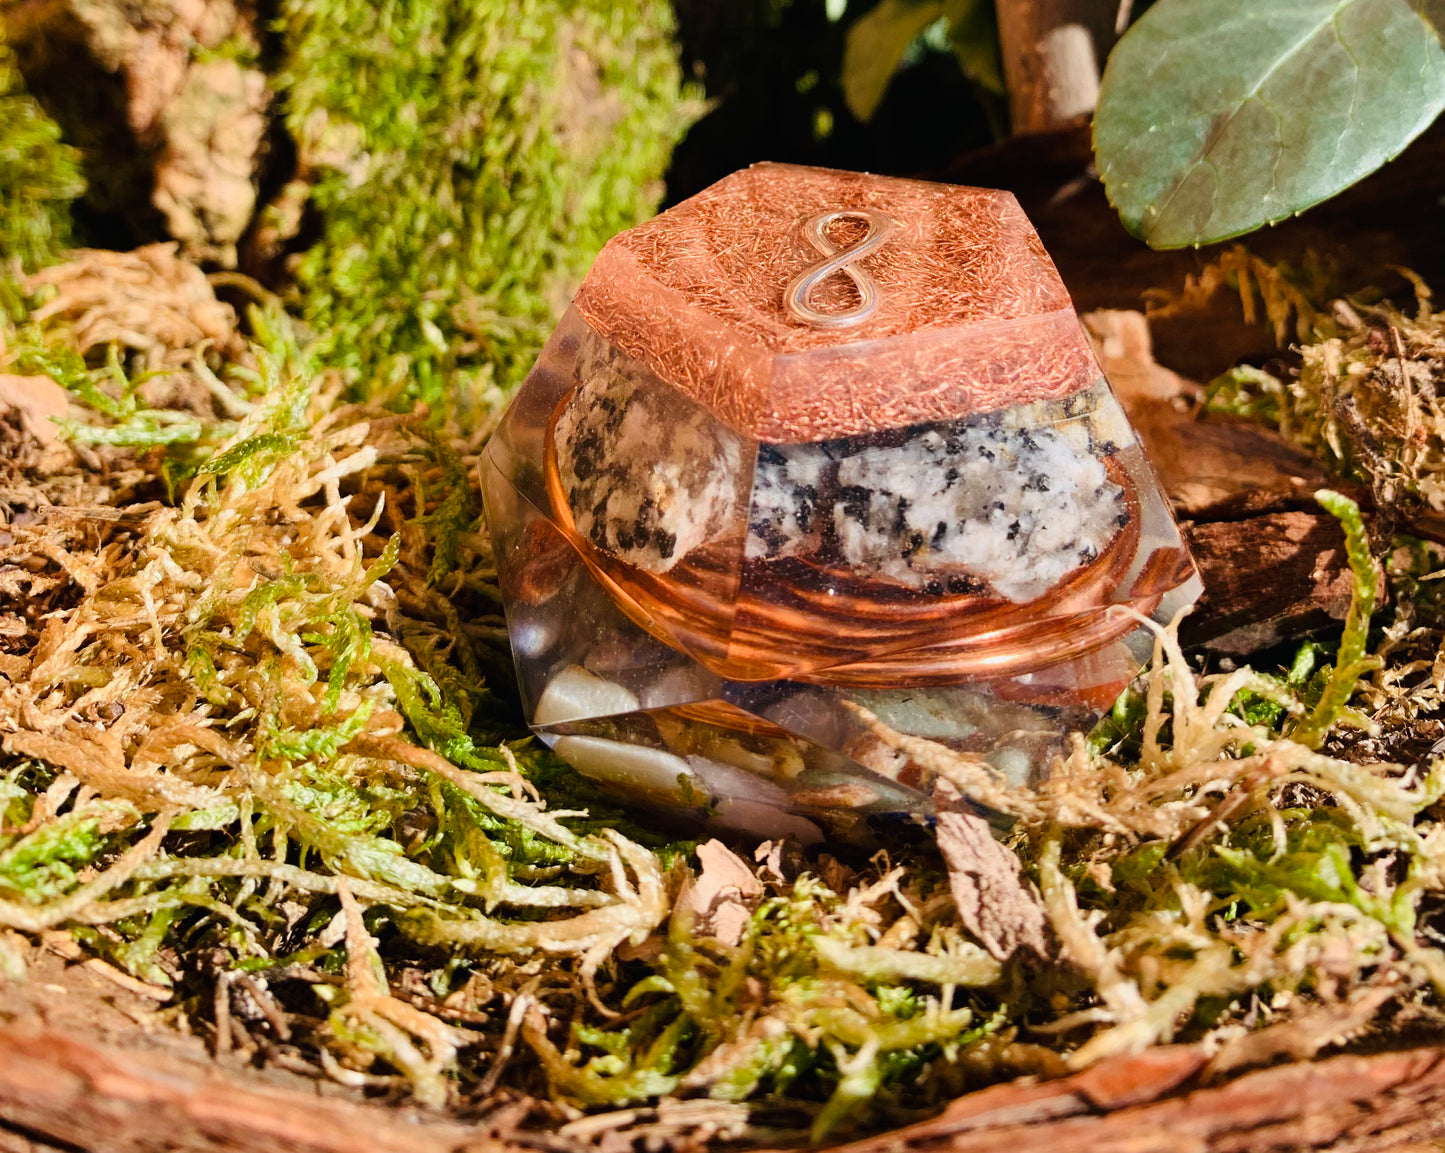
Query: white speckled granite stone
{"points": [[648, 475], [977, 507], [785, 519], [1012, 511]]}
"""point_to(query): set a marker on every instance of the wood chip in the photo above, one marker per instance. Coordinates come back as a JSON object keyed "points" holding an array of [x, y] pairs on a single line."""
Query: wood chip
{"points": [[39, 402], [1212, 467], [1267, 579], [1272, 562], [723, 897], [997, 905]]}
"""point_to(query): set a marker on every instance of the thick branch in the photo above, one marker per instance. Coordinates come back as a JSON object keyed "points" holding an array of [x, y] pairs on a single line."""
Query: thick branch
{"points": [[1051, 60], [57, 1089]]}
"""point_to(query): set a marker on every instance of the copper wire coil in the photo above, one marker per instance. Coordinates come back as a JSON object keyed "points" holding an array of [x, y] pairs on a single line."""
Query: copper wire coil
{"points": [[754, 620], [728, 716], [850, 631]]}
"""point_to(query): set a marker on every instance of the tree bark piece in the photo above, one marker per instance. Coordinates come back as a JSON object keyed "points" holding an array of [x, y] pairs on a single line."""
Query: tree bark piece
{"points": [[172, 131], [1387, 1103], [1267, 579], [996, 902], [205, 178], [1272, 561], [55, 1087], [56, 1090]]}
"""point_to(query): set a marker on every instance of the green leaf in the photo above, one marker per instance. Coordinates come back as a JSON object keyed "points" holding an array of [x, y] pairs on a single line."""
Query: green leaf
{"points": [[880, 42], [876, 44], [973, 35], [1218, 116]]}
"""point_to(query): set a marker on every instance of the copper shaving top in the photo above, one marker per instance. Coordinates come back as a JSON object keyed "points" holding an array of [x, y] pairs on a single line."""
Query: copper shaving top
{"points": [[970, 313]]}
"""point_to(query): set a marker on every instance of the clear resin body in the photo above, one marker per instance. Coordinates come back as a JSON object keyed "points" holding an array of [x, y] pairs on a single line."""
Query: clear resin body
{"points": [[736, 509]]}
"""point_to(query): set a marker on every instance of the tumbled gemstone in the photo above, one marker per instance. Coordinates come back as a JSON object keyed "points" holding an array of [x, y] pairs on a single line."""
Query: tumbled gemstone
{"points": [[813, 442]]}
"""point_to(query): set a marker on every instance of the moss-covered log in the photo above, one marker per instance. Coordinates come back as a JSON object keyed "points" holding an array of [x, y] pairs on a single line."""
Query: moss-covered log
{"points": [[39, 176], [427, 180]]}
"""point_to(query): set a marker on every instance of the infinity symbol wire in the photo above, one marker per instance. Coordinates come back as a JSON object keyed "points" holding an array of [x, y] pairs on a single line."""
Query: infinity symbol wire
{"points": [[798, 294]]}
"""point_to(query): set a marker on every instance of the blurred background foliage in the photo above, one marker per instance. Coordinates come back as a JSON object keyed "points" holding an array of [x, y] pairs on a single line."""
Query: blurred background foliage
{"points": [[39, 176], [774, 71], [425, 182]]}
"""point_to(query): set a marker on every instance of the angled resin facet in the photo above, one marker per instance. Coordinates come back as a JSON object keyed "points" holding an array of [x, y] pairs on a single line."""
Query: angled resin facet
{"points": [[814, 445]]}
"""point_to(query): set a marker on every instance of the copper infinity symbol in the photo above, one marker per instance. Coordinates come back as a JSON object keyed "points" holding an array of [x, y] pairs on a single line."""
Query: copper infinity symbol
{"points": [[797, 296]]}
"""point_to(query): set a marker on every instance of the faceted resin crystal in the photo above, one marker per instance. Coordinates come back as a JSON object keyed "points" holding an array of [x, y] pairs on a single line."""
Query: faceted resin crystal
{"points": [[814, 442]]}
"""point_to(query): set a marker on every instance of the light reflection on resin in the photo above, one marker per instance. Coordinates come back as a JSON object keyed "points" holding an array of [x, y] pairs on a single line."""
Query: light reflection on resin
{"points": [[703, 577]]}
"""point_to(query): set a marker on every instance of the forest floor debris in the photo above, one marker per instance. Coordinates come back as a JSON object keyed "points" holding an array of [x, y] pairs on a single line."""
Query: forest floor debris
{"points": [[259, 759]]}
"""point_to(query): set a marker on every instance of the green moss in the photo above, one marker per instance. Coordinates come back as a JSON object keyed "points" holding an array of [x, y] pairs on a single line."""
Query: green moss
{"points": [[1354, 660], [468, 162], [39, 176]]}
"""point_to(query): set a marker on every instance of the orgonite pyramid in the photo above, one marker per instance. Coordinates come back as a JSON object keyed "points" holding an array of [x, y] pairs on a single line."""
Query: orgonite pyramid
{"points": [[814, 440]]}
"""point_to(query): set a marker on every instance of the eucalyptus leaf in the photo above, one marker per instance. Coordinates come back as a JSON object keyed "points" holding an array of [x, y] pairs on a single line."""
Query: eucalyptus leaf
{"points": [[1218, 116]]}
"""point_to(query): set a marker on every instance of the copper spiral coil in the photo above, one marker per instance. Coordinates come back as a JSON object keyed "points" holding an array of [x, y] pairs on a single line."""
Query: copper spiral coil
{"points": [[757, 620], [728, 716]]}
